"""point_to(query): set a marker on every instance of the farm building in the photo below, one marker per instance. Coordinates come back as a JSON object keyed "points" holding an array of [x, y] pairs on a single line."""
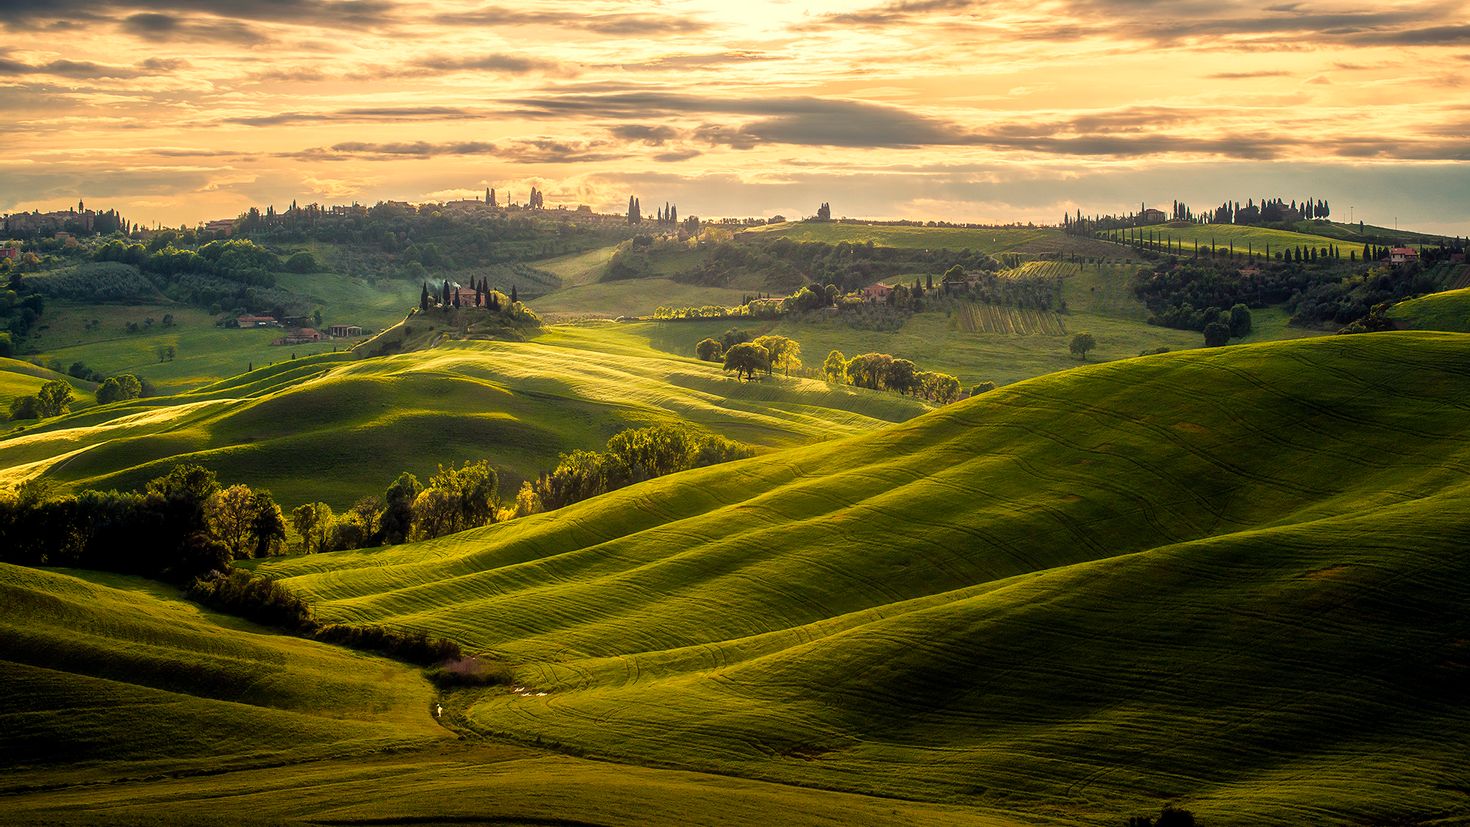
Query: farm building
{"points": [[877, 291], [257, 321], [9, 252], [223, 226], [343, 331], [302, 336], [1402, 255], [1153, 216]]}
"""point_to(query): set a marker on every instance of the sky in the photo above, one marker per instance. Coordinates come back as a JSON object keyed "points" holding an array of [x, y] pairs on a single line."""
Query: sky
{"points": [[179, 111]]}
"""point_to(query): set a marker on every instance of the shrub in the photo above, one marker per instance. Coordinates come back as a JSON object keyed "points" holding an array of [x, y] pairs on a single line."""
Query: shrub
{"points": [[253, 597], [470, 672], [414, 647]]}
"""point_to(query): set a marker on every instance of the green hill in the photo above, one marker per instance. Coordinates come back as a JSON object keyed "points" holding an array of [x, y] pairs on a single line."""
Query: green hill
{"points": [[19, 378], [1245, 239], [996, 241], [100, 670], [1232, 578], [336, 429], [1438, 311]]}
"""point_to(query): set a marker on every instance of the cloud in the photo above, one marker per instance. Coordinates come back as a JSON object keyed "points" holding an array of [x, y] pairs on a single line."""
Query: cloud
{"points": [[508, 64], [380, 114], [160, 27], [81, 70], [620, 23], [393, 151], [651, 135], [1268, 73], [333, 13]]}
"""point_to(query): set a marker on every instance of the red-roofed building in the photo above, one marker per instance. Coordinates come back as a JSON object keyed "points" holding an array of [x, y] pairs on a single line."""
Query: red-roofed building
{"points": [[1402, 255], [877, 291], [299, 337], [257, 321]]}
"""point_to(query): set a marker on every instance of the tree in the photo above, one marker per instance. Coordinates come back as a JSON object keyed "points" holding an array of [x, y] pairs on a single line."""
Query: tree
{"points": [[1240, 321], [230, 515], [302, 262], [746, 359], [983, 387], [528, 501], [733, 337], [1217, 334], [434, 513], [513, 297], [7, 344], [54, 398], [709, 350], [834, 367], [267, 525], [25, 407], [424, 298], [313, 522], [1080, 344], [397, 520], [782, 352], [119, 388]]}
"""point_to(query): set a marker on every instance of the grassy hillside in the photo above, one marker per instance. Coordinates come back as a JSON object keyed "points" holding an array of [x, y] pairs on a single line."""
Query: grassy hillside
{"points": [[982, 343], [335, 429], [104, 669], [124, 704], [19, 378], [1232, 578], [633, 297], [994, 241], [1246, 239], [1439, 311]]}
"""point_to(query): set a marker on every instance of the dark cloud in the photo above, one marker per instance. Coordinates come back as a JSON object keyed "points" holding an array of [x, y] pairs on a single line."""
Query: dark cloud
{"points": [[697, 61], [895, 13], [613, 24], [509, 64], [81, 70], [393, 151], [346, 13], [651, 135], [157, 26], [1428, 36], [1269, 73], [386, 114]]}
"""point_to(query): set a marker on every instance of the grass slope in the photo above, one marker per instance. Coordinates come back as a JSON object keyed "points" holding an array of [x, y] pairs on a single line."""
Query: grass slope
{"points": [[1246, 239], [1233, 578], [994, 241], [19, 378], [124, 704], [335, 429], [1438, 311], [105, 670]]}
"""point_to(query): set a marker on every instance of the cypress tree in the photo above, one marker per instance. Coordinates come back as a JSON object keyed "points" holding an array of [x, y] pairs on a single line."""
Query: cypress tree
{"points": [[513, 298], [424, 298]]}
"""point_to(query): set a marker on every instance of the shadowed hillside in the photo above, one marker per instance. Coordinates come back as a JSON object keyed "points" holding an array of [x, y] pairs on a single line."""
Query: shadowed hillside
{"points": [[1229, 577]]}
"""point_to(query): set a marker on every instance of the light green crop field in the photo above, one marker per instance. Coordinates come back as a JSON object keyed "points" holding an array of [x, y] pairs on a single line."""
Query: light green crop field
{"points": [[1230, 578], [102, 670], [579, 268], [633, 297], [993, 241], [1438, 311], [1247, 239], [19, 378], [350, 300], [203, 353], [1098, 299], [336, 429], [124, 704]]}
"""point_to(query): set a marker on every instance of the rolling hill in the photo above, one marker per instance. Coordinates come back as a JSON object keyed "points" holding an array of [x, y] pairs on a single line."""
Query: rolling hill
{"points": [[1246, 239], [333, 428], [996, 241], [1232, 578], [1449, 310]]}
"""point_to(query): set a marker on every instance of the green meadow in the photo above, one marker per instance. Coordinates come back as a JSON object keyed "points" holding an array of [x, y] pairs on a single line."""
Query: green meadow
{"points": [[334, 428], [1244, 239], [1449, 310], [996, 241], [1229, 578]]}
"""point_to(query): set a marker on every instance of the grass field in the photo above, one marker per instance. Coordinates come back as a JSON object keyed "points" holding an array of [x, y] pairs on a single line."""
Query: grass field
{"points": [[632, 297], [19, 378], [100, 670], [1246, 239], [1230, 578], [124, 704], [981, 343], [993, 241], [336, 429], [1449, 310]]}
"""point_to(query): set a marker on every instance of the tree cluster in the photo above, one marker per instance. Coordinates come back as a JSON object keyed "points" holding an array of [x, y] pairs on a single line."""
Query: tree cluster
{"points": [[633, 456], [182, 525], [53, 399], [880, 371]]}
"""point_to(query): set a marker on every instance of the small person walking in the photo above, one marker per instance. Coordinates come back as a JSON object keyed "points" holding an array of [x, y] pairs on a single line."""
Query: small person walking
{"points": [[438, 710]]}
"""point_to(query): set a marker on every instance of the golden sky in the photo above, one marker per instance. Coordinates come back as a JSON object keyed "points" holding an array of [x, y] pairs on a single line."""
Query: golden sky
{"points": [[184, 110]]}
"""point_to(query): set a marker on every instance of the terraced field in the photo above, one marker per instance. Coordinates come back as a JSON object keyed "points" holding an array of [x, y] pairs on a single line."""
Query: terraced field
{"points": [[989, 318], [336, 429], [1231, 578], [1246, 239]]}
